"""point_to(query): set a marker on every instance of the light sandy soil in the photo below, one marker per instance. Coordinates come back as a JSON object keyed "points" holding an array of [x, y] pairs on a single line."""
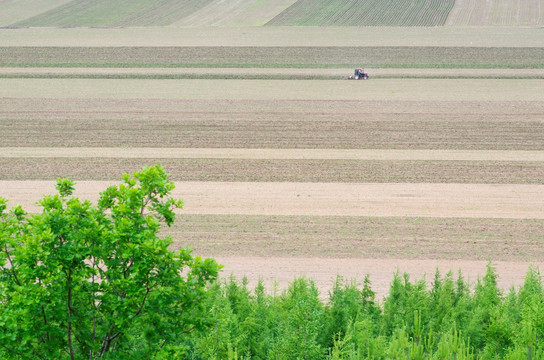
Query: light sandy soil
{"points": [[229, 153], [323, 271], [340, 73], [275, 36], [489, 109], [425, 200]]}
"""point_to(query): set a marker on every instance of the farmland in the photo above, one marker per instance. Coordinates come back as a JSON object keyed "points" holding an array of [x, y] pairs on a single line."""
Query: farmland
{"points": [[365, 13], [276, 36], [18, 10], [437, 161], [277, 13], [114, 13], [434, 165], [496, 13], [313, 160]]}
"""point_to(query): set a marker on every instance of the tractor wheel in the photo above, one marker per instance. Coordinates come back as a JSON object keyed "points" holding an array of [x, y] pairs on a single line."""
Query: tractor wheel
{"points": [[365, 77], [356, 77]]}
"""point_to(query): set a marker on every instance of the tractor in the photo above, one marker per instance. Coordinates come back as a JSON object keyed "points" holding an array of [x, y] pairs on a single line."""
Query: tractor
{"points": [[359, 74]]}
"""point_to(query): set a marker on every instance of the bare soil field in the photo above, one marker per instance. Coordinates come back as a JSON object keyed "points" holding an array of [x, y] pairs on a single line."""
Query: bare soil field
{"points": [[360, 237], [280, 170], [275, 57], [49, 107], [273, 154], [262, 124], [380, 89], [515, 201], [283, 178], [275, 36]]}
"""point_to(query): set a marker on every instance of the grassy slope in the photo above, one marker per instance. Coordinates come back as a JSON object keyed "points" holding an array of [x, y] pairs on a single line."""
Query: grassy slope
{"points": [[12, 11], [365, 13], [235, 13], [116, 13], [496, 13]]}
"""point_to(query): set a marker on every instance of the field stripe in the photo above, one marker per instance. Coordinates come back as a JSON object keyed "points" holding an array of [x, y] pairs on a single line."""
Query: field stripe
{"points": [[240, 72], [359, 236], [286, 154], [192, 89], [281, 170], [339, 199], [274, 36], [429, 57]]}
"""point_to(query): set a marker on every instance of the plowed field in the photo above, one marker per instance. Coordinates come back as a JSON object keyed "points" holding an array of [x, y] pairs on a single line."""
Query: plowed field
{"points": [[276, 57], [287, 177]]}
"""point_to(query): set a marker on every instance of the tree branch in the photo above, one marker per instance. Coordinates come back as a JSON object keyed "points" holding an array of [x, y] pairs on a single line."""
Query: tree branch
{"points": [[11, 265], [72, 357]]}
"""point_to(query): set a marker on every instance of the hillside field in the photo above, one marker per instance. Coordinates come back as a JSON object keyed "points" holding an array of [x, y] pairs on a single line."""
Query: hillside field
{"points": [[365, 13], [194, 13], [496, 13]]}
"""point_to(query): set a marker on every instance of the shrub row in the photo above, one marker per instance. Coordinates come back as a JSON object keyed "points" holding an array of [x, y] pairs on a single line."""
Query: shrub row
{"points": [[445, 320]]}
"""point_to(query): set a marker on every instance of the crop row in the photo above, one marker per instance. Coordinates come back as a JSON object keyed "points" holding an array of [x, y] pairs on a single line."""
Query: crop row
{"points": [[365, 13]]}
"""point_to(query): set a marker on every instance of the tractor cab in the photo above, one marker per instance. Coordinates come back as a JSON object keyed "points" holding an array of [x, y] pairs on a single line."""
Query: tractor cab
{"points": [[360, 74]]}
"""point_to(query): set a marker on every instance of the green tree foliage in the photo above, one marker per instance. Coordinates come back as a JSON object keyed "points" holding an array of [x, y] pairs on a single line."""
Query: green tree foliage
{"points": [[84, 281], [440, 321], [79, 281]]}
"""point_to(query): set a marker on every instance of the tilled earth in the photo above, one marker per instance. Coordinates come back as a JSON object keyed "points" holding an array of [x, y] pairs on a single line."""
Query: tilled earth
{"points": [[278, 217]]}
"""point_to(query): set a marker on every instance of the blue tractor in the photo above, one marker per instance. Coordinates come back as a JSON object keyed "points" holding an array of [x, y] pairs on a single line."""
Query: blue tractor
{"points": [[359, 74]]}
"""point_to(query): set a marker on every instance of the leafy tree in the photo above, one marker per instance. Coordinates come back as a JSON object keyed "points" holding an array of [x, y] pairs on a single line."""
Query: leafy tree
{"points": [[97, 281]]}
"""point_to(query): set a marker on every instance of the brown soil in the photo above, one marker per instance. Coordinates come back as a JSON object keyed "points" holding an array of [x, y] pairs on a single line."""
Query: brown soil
{"points": [[360, 237], [277, 230], [276, 170], [271, 56], [273, 124]]}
